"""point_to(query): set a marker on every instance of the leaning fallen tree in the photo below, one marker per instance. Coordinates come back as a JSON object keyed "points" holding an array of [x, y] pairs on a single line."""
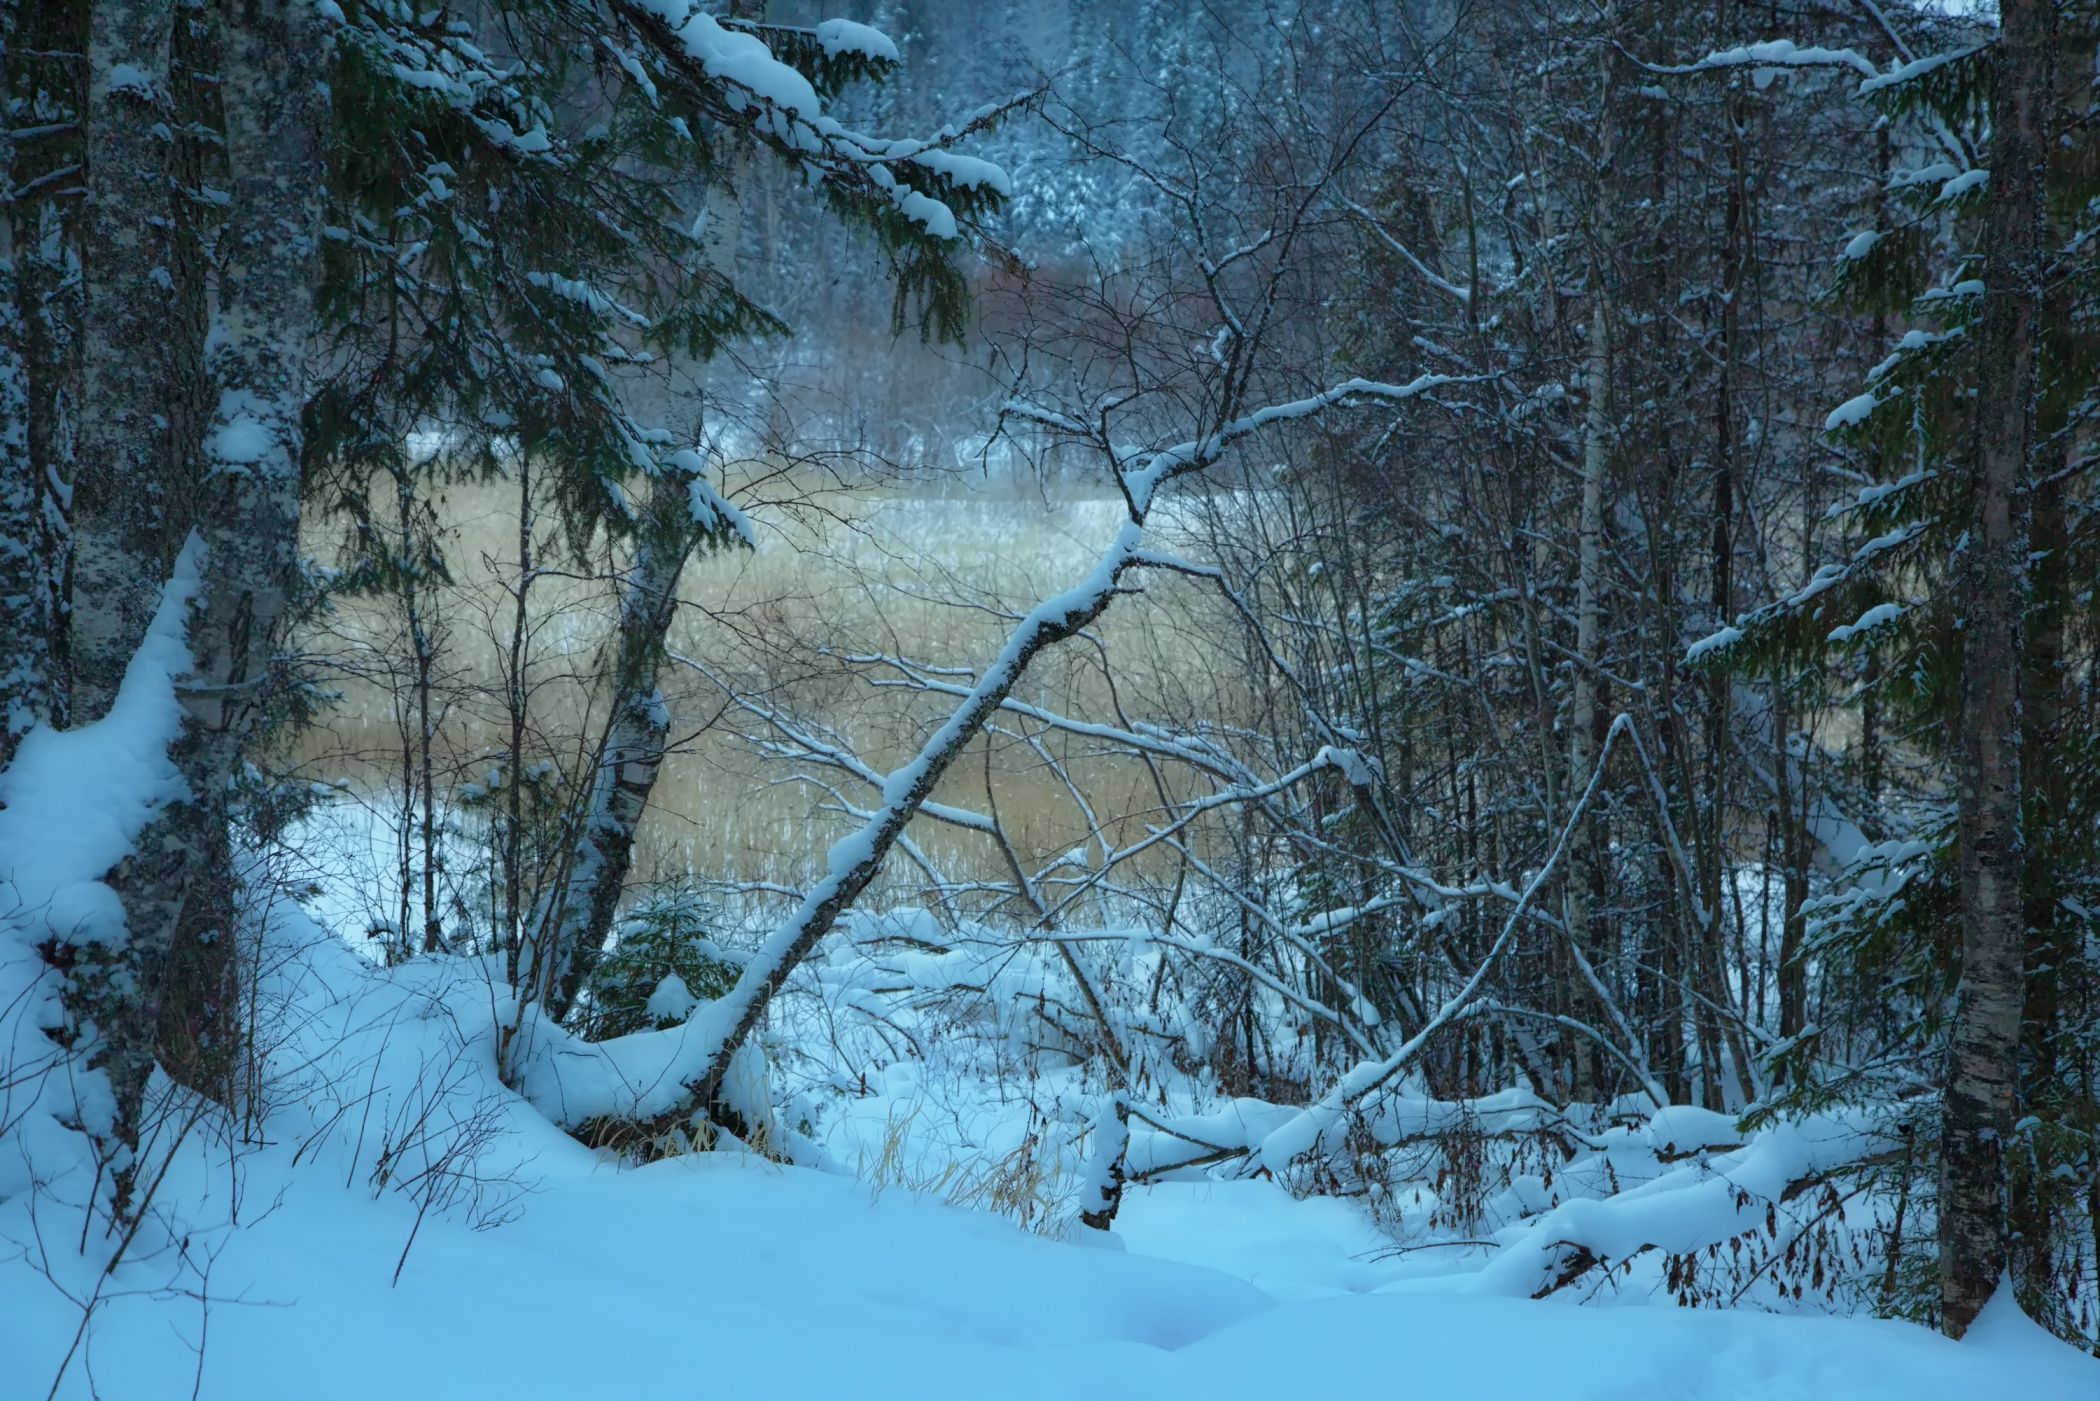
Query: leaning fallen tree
{"points": [[685, 1068]]}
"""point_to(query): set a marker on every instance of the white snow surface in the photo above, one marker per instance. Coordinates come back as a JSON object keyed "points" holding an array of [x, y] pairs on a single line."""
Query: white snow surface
{"points": [[71, 805], [843, 36], [544, 1270], [73, 801], [729, 1274], [1852, 411]]}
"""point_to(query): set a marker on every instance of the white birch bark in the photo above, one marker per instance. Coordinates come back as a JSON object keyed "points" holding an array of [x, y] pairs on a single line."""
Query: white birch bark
{"points": [[1582, 710], [638, 727]]}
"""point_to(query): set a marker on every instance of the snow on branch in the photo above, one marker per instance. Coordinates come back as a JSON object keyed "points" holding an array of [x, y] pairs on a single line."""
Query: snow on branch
{"points": [[1773, 53], [1429, 274], [1308, 1127], [1143, 484], [785, 107], [1784, 53]]}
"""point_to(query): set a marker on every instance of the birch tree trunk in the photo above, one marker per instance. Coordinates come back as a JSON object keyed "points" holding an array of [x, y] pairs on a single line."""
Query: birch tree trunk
{"points": [[638, 728], [1720, 703], [125, 513], [1585, 871], [178, 887], [1982, 1071], [1582, 709]]}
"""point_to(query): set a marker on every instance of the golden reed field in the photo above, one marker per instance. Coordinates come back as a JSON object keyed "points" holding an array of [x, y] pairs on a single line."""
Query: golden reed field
{"points": [[928, 573]]}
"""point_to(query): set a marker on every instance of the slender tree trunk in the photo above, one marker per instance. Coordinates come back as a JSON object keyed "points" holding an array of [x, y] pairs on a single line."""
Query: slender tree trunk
{"points": [[1982, 1088], [1586, 873], [1794, 858], [2040, 1194], [519, 951], [1720, 707], [1582, 710], [1666, 941], [638, 727]]}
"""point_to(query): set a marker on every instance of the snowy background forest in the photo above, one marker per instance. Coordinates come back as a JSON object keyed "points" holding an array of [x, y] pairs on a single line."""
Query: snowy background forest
{"points": [[1075, 698]]}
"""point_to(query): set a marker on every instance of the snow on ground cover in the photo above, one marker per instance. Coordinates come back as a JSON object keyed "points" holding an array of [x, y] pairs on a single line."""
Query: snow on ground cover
{"points": [[403, 1224], [723, 1273], [718, 1275]]}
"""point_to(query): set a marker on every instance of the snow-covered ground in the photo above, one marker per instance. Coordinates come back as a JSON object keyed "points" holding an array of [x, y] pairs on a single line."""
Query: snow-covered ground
{"points": [[716, 1275], [541, 1269], [388, 1219]]}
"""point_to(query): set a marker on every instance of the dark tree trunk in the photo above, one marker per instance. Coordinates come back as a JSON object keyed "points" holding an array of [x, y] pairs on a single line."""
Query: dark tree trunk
{"points": [[44, 84], [1982, 1070], [127, 520], [178, 887], [2039, 1192]]}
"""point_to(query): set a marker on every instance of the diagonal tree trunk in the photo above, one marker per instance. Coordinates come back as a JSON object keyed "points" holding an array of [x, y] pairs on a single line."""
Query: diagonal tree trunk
{"points": [[704, 1060], [1982, 1069]]}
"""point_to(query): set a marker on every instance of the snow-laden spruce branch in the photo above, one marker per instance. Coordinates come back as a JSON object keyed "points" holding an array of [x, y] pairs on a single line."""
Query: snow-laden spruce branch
{"points": [[784, 108]]}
